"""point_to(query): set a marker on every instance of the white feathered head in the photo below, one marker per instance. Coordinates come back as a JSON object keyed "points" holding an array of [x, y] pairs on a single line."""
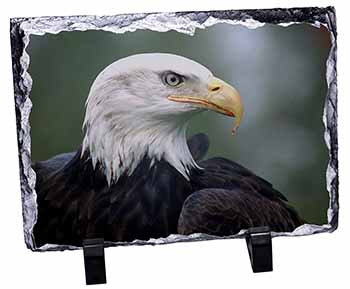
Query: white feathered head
{"points": [[140, 106]]}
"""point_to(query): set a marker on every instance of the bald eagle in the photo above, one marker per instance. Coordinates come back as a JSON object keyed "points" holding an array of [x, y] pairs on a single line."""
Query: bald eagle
{"points": [[136, 176]]}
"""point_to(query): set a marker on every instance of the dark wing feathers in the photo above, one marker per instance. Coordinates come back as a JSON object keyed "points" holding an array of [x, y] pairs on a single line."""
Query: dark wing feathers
{"points": [[75, 201], [225, 212], [228, 198]]}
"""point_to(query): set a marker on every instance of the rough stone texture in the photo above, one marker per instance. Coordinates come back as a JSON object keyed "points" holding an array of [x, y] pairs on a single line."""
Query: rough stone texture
{"points": [[185, 22]]}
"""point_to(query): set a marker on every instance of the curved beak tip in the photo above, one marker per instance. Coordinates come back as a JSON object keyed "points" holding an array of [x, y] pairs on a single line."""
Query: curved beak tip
{"points": [[228, 99]]}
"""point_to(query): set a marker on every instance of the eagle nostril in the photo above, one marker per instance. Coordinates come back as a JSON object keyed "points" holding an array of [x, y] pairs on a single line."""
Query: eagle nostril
{"points": [[215, 88]]}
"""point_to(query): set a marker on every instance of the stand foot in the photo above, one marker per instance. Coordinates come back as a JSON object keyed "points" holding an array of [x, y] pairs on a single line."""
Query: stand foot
{"points": [[259, 243], [94, 260]]}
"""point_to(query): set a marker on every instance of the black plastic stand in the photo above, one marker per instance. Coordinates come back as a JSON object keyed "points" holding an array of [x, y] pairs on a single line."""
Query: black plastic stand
{"points": [[259, 243], [94, 260]]}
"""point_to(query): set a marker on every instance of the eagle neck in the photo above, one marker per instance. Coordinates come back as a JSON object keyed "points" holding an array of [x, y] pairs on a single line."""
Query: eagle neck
{"points": [[121, 144]]}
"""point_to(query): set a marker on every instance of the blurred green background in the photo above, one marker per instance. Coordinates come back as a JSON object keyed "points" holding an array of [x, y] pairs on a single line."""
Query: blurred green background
{"points": [[279, 71]]}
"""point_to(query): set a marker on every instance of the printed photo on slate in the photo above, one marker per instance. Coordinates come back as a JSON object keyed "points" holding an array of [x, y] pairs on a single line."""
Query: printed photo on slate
{"points": [[165, 127]]}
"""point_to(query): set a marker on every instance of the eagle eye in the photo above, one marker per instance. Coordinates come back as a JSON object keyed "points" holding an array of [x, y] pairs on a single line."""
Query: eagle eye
{"points": [[173, 79]]}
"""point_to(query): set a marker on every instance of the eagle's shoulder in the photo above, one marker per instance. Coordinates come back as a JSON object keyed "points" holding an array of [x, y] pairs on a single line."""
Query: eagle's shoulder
{"points": [[44, 169], [223, 173]]}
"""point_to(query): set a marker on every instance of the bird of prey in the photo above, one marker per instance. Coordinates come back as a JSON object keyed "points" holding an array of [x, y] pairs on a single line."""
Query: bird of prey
{"points": [[136, 176]]}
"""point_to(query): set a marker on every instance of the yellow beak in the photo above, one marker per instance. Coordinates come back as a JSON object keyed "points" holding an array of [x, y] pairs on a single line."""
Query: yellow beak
{"points": [[221, 97]]}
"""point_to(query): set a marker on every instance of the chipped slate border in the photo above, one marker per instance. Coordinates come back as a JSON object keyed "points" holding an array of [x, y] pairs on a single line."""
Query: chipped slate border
{"points": [[184, 22]]}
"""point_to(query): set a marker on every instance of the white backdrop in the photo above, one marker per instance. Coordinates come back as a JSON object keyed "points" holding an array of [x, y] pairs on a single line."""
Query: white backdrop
{"points": [[319, 261]]}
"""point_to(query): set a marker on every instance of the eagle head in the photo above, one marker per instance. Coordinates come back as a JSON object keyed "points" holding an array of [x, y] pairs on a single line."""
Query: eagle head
{"points": [[139, 106]]}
